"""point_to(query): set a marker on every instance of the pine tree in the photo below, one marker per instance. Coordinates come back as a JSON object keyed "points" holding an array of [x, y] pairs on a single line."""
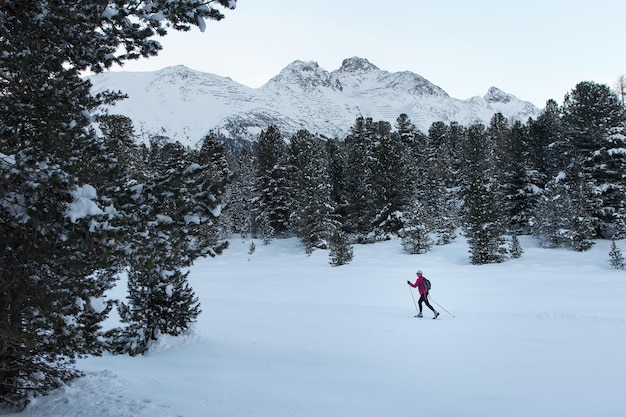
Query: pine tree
{"points": [[582, 222], [174, 213], [360, 209], [591, 113], [159, 302], [548, 150], [416, 230], [616, 257], [575, 230], [611, 165], [241, 194], [515, 249], [314, 217], [341, 252], [549, 223], [483, 218], [518, 194], [274, 200], [337, 167], [55, 258], [392, 183], [437, 186]]}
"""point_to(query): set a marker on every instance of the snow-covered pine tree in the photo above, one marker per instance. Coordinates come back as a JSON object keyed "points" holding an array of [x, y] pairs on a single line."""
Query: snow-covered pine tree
{"points": [[405, 129], [548, 151], [314, 218], [416, 230], [518, 194], [582, 226], [591, 114], [436, 185], [484, 222], [611, 166], [549, 223], [341, 252], [56, 261], [57, 251], [159, 302], [215, 177], [616, 259], [392, 183], [274, 200], [515, 248], [575, 230], [175, 211], [241, 194], [337, 166], [360, 209]]}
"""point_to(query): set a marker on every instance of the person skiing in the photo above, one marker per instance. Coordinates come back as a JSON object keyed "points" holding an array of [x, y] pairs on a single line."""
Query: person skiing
{"points": [[421, 287]]}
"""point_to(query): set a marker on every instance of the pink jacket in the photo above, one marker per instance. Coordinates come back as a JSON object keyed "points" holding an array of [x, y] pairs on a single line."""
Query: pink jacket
{"points": [[420, 284]]}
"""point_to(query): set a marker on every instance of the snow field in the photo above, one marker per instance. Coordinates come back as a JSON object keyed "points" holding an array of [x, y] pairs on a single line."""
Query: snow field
{"points": [[283, 334]]}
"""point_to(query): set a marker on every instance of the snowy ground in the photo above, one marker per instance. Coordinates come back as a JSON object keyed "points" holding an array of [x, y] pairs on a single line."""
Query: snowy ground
{"points": [[283, 334]]}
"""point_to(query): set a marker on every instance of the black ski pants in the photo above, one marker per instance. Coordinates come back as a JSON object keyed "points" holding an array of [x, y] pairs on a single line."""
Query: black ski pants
{"points": [[424, 299]]}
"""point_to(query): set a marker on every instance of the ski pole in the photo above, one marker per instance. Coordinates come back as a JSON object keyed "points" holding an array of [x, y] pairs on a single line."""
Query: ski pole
{"points": [[431, 299], [414, 303]]}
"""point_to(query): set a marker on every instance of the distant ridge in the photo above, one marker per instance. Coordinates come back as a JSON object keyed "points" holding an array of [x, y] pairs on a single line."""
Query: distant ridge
{"points": [[184, 105]]}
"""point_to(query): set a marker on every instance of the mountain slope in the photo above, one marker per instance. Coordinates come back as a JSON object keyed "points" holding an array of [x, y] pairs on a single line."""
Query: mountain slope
{"points": [[185, 105]]}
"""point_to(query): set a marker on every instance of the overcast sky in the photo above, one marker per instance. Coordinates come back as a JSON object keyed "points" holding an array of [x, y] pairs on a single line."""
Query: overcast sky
{"points": [[535, 49]]}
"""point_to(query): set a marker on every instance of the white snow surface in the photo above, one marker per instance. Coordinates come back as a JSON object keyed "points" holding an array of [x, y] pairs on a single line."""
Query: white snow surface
{"points": [[83, 205], [282, 334]]}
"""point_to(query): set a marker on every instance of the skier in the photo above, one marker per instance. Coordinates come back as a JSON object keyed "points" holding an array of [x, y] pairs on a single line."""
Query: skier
{"points": [[421, 287]]}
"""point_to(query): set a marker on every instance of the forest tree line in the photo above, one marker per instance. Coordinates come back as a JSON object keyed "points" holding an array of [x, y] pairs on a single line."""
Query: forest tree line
{"points": [[560, 177]]}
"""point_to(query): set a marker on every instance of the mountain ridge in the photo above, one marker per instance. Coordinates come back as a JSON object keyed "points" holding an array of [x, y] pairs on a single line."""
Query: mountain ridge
{"points": [[184, 104]]}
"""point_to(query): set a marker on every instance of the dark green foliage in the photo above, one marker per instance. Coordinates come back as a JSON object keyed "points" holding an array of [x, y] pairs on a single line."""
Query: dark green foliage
{"points": [[484, 222], [594, 122], [274, 200], [515, 249], [518, 191], [159, 302], [340, 249], [358, 173], [392, 183], [173, 222], [547, 148], [240, 195], [57, 262], [563, 218], [616, 258], [436, 185], [416, 230], [314, 217]]}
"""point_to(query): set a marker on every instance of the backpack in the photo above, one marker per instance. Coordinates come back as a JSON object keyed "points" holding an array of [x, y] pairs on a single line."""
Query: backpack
{"points": [[427, 284]]}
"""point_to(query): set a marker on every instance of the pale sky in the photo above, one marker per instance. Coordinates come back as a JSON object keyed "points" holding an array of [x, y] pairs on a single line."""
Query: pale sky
{"points": [[535, 50]]}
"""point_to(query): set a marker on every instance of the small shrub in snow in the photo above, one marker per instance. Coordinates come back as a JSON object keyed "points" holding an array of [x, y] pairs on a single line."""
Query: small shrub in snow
{"points": [[616, 257], [515, 249], [340, 249]]}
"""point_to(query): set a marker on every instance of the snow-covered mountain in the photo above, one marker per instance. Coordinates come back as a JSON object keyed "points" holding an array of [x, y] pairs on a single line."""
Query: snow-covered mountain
{"points": [[185, 105]]}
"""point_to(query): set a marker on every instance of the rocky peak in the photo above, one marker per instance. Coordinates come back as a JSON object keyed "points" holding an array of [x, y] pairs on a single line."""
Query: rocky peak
{"points": [[356, 64], [495, 95], [306, 74]]}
